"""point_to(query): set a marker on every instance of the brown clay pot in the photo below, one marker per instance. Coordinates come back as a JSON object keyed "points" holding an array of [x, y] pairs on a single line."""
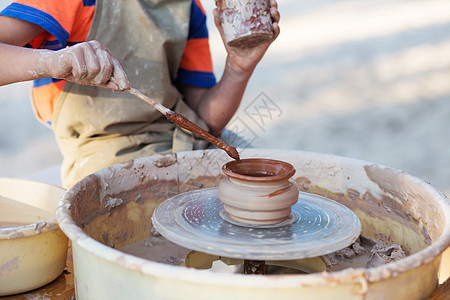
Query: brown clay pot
{"points": [[246, 23], [258, 191]]}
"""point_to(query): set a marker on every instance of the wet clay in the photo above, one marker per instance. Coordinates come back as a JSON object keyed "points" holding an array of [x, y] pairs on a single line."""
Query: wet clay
{"points": [[259, 170], [364, 253], [158, 249], [384, 210]]}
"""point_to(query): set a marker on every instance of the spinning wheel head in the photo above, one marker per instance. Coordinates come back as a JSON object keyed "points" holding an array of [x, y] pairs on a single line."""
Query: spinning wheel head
{"points": [[316, 226]]}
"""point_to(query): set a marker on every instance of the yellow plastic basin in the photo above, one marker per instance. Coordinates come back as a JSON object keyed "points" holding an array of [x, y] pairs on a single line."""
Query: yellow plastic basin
{"points": [[32, 247]]}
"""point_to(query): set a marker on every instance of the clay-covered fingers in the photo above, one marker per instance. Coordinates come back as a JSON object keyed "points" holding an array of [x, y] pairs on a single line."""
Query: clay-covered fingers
{"points": [[101, 68], [76, 59], [112, 74], [62, 64], [274, 7], [95, 63], [275, 14], [88, 63], [119, 78], [106, 67]]}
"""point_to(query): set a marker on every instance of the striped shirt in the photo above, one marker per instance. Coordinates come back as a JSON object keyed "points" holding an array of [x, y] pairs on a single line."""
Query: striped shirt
{"points": [[67, 22]]}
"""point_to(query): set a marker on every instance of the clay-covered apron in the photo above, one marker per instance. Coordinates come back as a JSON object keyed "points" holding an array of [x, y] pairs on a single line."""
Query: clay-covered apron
{"points": [[95, 127]]}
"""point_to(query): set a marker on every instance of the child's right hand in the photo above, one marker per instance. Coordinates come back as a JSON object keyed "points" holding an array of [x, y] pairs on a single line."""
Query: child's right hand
{"points": [[88, 63]]}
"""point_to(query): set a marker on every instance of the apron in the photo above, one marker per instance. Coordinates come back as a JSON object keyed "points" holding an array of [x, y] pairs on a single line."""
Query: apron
{"points": [[95, 127]]}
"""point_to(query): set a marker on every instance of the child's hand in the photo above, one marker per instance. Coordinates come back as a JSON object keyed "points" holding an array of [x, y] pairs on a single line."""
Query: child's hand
{"points": [[88, 63], [246, 59]]}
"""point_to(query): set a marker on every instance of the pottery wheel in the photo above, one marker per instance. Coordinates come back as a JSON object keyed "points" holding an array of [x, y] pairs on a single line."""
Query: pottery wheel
{"points": [[196, 220]]}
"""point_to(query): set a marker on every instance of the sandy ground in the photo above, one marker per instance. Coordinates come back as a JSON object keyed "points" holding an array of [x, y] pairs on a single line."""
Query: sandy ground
{"points": [[363, 79]]}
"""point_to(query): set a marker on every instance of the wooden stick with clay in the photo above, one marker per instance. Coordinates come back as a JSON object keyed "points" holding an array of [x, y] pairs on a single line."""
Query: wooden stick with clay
{"points": [[185, 123]]}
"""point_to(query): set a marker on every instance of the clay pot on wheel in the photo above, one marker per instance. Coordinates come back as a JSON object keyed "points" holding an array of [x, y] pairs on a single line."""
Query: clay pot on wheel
{"points": [[258, 191]]}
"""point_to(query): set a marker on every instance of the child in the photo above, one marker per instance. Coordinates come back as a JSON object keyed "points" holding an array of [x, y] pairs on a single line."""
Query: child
{"points": [[163, 48]]}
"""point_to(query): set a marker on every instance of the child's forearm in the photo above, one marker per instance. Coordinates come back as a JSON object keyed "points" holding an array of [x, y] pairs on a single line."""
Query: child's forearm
{"points": [[88, 63], [220, 103], [17, 64]]}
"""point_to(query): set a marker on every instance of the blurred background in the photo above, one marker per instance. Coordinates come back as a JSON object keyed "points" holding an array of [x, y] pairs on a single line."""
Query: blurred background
{"points": [[362, 79]]}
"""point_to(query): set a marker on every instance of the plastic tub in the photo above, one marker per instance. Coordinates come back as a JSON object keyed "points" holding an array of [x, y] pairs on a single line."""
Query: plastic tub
{"points": [[112, 208], [32, 249]]}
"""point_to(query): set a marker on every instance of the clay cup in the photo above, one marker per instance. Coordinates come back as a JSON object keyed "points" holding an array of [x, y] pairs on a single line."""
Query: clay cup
{"points": [[258, 191], [246, 23]]}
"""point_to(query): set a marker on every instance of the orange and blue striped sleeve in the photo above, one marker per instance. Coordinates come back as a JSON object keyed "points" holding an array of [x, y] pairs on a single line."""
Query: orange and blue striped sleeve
{"points": [[66, 23], [196, 66]]}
